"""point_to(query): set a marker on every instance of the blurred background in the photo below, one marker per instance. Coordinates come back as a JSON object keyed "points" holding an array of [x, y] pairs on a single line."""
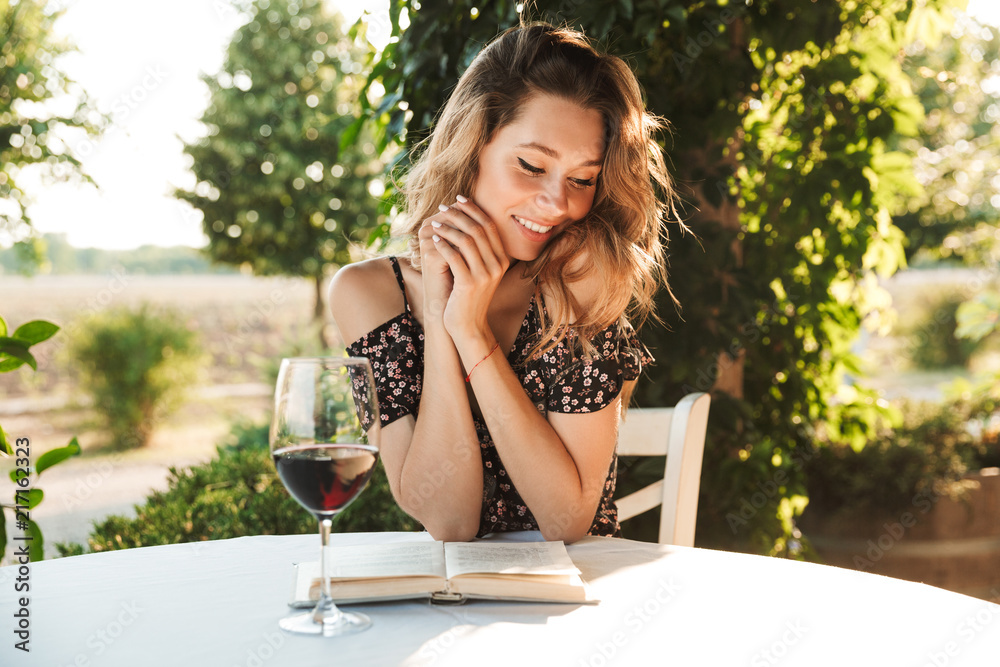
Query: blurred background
{"points": [[179, 181]]}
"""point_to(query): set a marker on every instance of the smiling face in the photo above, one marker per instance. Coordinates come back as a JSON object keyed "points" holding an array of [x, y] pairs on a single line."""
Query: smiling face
{"points": [[539, 173]]}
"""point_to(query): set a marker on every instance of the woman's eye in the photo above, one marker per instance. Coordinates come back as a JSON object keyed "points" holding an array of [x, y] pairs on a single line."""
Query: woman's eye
{"points": [[581, 183], [529, 167]]}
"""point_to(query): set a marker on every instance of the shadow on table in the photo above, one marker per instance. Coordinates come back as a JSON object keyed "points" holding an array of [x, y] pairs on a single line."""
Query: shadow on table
{"points": [[436, 632], [602, 556]]}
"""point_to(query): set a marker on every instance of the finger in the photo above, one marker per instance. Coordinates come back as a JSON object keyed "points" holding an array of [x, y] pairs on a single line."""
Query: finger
{"points": [[430, 257], [484, 229], [452, 256], [472, 238], [471, 209]]}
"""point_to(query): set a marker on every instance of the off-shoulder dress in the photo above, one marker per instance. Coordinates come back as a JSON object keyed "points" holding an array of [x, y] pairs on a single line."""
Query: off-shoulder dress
{"points": [[555, 381]]}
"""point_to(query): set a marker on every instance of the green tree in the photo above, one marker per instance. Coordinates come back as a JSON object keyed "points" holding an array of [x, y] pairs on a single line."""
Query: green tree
{"points": [[277, 193], [32, 134], [784, 114], [958, 148], [958, 163]]}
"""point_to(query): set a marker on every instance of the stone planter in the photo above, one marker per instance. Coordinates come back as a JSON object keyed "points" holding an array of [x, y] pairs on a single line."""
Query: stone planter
{"points": [[938, 541]]}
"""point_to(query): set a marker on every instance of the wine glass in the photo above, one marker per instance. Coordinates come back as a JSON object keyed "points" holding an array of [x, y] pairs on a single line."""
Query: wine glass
{"points": [[324, 441]]}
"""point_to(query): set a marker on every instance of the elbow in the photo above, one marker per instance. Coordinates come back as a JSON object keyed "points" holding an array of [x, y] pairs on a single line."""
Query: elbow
{"points": [[444, 524], [565, 529], [451, 530], [452, 534], [564, 534], [569, 525]]}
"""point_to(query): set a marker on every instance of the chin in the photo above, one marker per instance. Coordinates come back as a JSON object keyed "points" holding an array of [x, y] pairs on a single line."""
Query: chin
{"points": [[524, 255]]}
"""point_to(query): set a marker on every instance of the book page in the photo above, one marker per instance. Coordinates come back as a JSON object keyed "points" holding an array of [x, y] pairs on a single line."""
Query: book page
{"points": [[507, 558], [403, 559]]}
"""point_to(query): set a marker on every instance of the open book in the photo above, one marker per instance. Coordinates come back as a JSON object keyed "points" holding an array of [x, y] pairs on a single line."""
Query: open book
{"points": [[445, 572]]}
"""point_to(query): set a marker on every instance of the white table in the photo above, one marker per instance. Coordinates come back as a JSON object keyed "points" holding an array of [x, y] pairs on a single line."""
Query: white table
{"points": [[217, 604]]}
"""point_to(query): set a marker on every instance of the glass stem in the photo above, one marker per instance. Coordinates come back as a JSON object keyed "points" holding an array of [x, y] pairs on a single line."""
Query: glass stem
{"points": [[326, 611]]}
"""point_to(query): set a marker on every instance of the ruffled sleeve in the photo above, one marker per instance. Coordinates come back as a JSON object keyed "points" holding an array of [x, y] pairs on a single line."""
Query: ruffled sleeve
{"points": [[588, 386]]}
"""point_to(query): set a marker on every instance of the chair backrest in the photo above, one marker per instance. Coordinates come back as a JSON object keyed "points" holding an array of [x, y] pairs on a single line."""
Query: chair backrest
{"points": [[678, 433]]}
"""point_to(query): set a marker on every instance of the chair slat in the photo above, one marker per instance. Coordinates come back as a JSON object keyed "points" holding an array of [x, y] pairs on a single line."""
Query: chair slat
{"points": [[678, 433], [640, 501], [644, 432]]}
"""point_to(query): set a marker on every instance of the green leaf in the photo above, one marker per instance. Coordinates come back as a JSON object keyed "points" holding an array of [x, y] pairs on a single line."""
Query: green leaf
{"points": [[35, 331], [927, 24], [54, 456], [3, 327], [677, 13], [37, 543], [978, 317], [35, 496], [4, 445], [8, 365], [12, 347], [350, 135]]}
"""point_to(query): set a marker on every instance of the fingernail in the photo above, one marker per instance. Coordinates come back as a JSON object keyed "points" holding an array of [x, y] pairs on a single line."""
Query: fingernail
{"points": [[461, 198], [435, 224], [442, 208], [436, 238]]}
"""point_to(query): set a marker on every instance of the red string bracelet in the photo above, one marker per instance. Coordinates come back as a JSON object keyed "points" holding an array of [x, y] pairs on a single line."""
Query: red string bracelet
{"points": [[482, 360]]}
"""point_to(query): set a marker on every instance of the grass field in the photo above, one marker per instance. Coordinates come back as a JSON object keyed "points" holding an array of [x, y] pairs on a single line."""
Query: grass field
{"points": [[242, 321]]}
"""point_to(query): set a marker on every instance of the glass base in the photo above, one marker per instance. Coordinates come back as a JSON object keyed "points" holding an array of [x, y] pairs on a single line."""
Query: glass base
{"points": [[343, 623]]}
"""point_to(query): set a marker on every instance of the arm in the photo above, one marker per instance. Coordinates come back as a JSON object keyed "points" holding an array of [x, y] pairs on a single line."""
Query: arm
{"points": [[432, 462], [558, 463]]}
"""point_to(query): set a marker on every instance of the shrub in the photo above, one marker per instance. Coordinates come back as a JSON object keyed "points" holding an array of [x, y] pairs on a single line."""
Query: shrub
{"points": [[933, 343], [984, 424], [238, 493], [135, 364], [926, 456]]}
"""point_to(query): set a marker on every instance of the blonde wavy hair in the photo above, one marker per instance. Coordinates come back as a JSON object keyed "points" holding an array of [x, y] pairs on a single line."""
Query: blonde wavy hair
{"points": [[620, 236]]}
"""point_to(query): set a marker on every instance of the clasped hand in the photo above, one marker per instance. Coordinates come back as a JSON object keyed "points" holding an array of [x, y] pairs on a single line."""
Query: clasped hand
{"points": [[463, 263]]}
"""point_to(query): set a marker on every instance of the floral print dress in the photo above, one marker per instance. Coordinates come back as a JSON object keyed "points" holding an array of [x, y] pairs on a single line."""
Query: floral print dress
{"points": [[554, 381]]}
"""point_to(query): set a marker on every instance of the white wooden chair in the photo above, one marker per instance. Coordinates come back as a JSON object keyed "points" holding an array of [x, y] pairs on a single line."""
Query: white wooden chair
{"points": [[679, 433]]}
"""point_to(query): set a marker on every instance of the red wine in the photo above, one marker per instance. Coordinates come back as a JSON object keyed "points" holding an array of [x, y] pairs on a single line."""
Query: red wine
{"points": [[325, 478]]}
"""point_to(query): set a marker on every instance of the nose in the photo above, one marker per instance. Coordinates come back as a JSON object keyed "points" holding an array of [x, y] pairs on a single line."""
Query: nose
{"points": [[553, 197]]}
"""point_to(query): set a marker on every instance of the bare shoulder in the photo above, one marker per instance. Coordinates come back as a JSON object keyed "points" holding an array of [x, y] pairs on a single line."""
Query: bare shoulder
{"points": [[364, 295]]}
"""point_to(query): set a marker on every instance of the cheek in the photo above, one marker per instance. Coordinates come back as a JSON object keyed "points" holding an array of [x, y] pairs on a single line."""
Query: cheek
{"points": [[582, 203], [495, 196]]}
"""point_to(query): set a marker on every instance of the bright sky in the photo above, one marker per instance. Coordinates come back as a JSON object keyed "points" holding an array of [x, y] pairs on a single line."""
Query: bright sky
{"points": [[141, 62]]}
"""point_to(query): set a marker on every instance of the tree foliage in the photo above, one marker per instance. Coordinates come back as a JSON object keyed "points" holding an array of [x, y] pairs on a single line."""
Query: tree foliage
{"points": [[784, 116], [958, 148], [277, 193], [40, 110], [958, 163]]}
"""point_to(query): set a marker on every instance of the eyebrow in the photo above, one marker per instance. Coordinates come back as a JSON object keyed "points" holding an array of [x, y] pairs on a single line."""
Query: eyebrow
{"points": [[555, 154]]}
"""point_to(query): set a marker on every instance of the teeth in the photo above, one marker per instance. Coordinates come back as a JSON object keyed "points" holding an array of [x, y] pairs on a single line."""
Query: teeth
{"points": [[532, 226]]}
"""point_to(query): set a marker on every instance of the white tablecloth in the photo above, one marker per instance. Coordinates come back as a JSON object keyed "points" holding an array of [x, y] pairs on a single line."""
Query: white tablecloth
{"points": [[217, 604]]}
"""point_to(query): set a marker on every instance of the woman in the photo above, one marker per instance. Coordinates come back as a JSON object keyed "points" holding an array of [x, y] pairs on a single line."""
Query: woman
{"points": [[500, 341]]}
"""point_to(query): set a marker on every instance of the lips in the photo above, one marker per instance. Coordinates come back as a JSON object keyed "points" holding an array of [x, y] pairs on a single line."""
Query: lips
{"points": [[535, 227]]}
